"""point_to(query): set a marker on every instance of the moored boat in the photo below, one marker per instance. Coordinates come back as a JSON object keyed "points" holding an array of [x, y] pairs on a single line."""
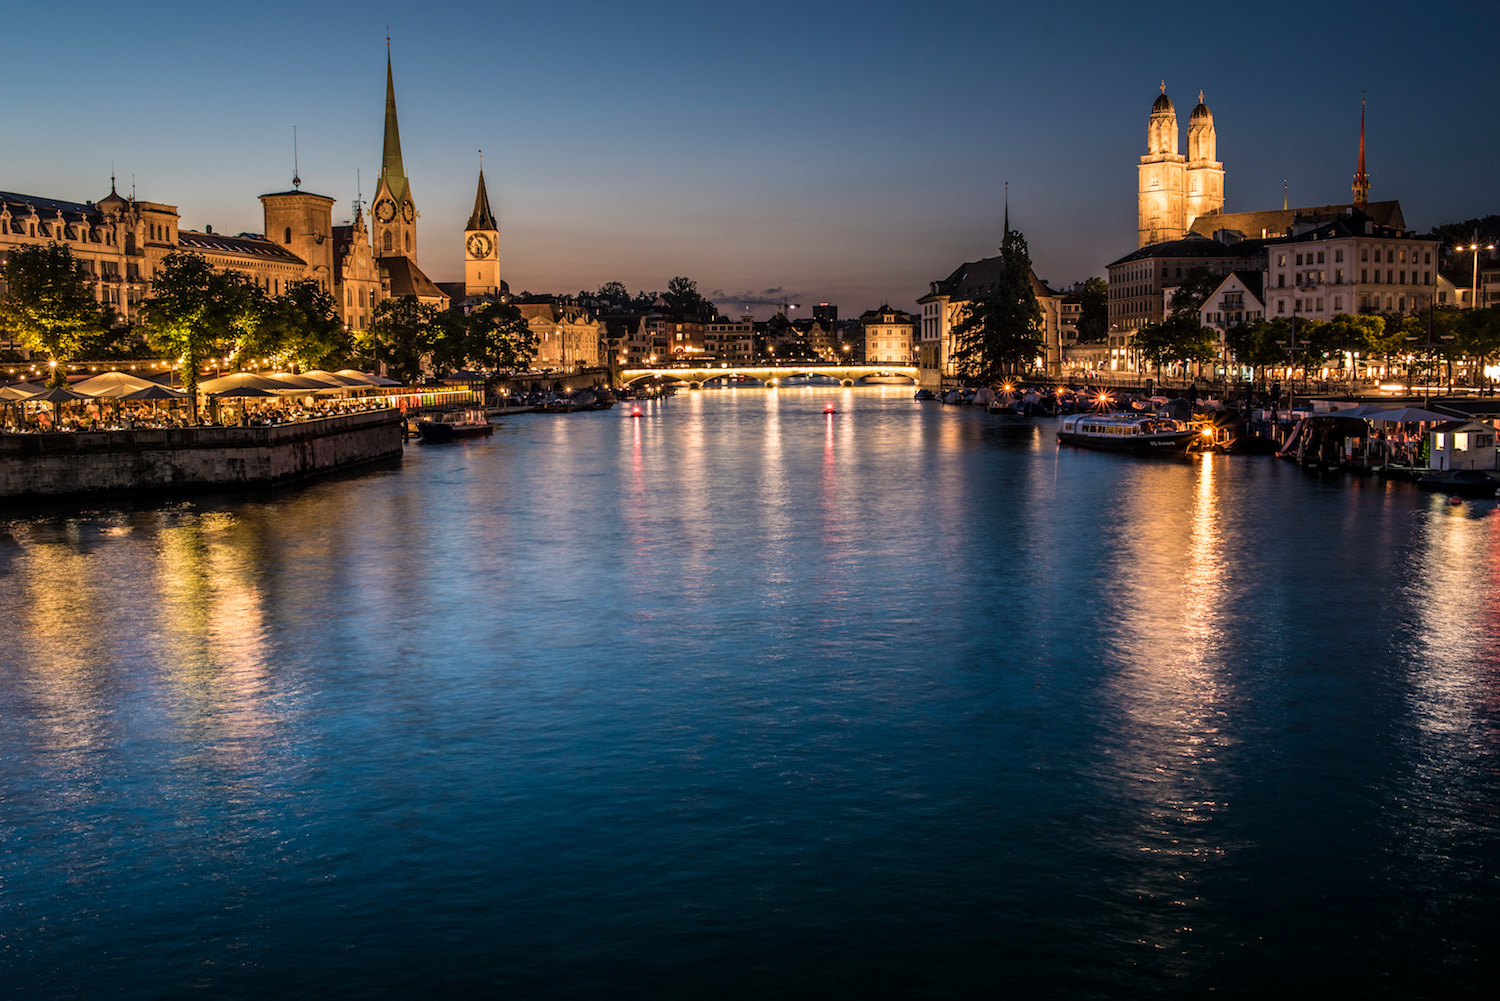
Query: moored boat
{"points": [[1127, 432], [458, 424]]}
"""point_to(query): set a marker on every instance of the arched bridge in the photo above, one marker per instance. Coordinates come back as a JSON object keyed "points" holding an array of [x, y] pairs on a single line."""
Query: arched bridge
{"points": [[695, 377]]}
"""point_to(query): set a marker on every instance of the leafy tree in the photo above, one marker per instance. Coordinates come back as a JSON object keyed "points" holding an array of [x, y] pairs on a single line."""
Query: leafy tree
{"points": [[1177, 339], [402, 331], [51, 306], [1093, 313], [682, 297], [193, 310], [614, 295], [302, 325], [116, 339], [644, 301], [498, 337], [1000, 331], [1197, 285]]}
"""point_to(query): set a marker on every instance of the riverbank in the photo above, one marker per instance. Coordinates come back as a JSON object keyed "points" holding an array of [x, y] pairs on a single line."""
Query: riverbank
{"points": [[172, 460]]}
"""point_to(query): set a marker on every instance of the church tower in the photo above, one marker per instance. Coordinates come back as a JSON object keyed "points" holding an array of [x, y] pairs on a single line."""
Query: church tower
{"points": [[1205, 174], [1361, 179], [395, 213], [482, 246], [1161, 206]]}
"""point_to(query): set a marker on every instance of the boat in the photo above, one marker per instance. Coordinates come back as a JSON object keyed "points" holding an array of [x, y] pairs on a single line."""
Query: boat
{"points": [[455, 425], [1462, 482], [1128, 432]]}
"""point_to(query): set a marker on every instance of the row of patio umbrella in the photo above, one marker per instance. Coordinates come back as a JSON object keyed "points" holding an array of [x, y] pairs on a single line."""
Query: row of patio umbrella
{"points": [[120, 386], [1382, 415]]}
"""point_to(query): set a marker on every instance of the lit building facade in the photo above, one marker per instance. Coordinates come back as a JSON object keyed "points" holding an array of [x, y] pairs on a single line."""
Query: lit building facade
{"points": [[1175, 191]]}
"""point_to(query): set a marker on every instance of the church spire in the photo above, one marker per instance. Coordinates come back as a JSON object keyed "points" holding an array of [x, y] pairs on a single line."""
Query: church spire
{"points": [[391, 167], [1361, 179], [1007, 212], [482, 217]]}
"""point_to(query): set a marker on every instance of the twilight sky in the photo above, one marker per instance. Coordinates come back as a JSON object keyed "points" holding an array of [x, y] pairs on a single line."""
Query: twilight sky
{"points": [[843, 152]]}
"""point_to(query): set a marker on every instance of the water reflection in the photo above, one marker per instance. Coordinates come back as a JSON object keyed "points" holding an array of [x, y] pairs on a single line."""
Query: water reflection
{"points": [[1172, 705]]}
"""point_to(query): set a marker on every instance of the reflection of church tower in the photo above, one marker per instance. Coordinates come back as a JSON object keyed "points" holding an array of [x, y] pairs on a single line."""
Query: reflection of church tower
{"points": [[482, 247], [1160, 200], [1205, 174], [395, 214]]}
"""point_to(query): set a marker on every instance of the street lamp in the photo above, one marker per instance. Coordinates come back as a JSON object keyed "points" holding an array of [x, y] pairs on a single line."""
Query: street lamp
{"points": [[1474, 248]]}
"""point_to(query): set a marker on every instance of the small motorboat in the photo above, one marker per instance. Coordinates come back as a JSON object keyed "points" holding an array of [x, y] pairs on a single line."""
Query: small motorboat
{"points": [[1479, 483], [455, 425]]}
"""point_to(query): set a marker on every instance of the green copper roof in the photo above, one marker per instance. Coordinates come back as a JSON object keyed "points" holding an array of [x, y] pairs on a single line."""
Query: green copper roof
{"points": [[482, 217], [391, 168]]}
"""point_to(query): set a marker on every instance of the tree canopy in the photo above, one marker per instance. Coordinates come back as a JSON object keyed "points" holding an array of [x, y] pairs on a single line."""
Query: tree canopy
{"points": [[194, 311], [51, 306], [999, 333], [402, 331], [1093, 312]]}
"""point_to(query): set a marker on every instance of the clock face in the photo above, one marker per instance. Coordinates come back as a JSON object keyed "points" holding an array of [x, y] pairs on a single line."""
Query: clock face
{"points": [[479, 245], [385, 210], [408, 212]]}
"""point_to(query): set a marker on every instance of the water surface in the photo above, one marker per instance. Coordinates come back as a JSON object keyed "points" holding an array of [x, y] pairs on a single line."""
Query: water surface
{"points": [[740, 699]]}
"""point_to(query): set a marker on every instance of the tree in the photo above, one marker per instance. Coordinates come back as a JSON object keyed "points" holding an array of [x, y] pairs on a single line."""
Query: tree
{"points": [[498, 337], [401, 333], [614, 295], [1177, 339], [1093, 312], [682, 298], [51, 306], [1197, 285], [999, 332], [302, 325], [194, 309]]}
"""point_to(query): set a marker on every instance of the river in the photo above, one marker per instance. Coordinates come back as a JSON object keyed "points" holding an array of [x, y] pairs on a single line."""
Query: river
{"points": [[742, 699]]}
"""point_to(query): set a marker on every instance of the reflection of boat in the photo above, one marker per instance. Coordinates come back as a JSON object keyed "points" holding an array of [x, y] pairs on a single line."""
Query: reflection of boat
{"points": [[1462, 482], [1145, 433], [459, 424]]}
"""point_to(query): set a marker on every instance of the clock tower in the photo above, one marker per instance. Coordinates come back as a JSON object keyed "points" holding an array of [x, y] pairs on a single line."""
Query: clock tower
{"points": [[395, 215], [482, 247]]}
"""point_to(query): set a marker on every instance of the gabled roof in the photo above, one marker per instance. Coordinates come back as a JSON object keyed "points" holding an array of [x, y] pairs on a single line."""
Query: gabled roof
{"points": [[974, 279], [405, 278], [1251, 280]]}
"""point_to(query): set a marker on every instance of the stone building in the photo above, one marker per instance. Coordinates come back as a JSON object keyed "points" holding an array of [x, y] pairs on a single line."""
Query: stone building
{"points": [[888, 336], [568, 337], [944, 307], [1350, 265], [1175, 191]]}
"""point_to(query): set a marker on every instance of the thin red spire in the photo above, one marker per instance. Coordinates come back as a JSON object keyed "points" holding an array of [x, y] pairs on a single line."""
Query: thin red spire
{"points": [[1361, 179]]}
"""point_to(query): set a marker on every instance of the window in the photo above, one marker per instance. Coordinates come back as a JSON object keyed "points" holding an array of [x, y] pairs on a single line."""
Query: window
{"points": [[1427, 257], [288, 238], [1338, 257], [1364, 253], [1320, 257], [1281, 305], [1403, 276], [387, 241], [1281, 260], [1299, 260], [1390, 256], [1403, 255], [1364, 274], [1338, 276]]}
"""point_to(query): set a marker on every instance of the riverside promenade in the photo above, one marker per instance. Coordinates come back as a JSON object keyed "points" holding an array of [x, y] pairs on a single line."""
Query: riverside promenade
{"points": [[169, 460]]}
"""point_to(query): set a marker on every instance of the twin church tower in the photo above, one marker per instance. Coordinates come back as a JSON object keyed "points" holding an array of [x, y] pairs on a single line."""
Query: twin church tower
{"points": [[394, 227], [1174, 189]]}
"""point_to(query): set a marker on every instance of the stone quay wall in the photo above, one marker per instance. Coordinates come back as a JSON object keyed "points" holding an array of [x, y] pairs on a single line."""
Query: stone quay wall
{"points": [[70, 464]]}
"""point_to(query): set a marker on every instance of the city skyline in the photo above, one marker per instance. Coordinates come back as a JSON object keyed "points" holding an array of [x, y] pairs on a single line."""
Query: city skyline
{"points": [[843, 161]]}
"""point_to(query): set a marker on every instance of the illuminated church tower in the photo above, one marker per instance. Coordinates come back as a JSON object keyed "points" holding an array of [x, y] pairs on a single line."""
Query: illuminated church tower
{"points": [[1205, 174], [395, 213], [1161, 207], [482, 247]]}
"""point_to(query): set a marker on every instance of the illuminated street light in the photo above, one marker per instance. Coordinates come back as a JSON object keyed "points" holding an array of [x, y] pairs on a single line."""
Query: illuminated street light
{"points": [[1474, 248]]}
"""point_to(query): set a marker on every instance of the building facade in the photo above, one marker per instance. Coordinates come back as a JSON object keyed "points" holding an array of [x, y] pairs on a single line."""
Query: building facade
{"points": [[889, 336], [1352, 265]]}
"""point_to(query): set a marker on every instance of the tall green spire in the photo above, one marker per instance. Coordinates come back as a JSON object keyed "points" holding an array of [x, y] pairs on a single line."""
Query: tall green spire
{"points": [[482, 217], [391, 168]]}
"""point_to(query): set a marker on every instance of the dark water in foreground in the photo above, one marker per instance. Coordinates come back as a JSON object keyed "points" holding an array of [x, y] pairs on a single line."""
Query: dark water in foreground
{"points": [[739, 700]]}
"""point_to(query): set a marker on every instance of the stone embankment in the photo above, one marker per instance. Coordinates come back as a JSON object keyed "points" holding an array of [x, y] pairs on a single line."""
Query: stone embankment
{"points": [[94, 463]]}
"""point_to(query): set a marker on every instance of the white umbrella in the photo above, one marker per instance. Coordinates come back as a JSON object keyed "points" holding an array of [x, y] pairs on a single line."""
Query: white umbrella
{"points": [[239, 380], [19, 391], [112, 385]]}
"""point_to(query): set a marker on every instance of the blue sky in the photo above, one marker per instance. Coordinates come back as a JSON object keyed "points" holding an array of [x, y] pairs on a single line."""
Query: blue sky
{"points": [[831, 151]]}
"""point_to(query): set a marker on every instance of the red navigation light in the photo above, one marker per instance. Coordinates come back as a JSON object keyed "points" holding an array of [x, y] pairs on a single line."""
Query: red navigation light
{"points": [[829, 409], [635, 411]]}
